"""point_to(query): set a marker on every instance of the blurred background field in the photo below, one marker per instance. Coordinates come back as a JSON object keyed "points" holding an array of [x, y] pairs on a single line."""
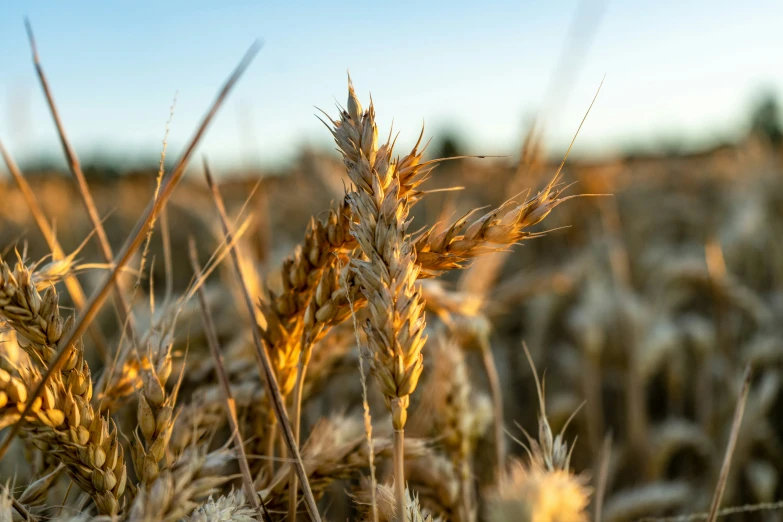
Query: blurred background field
{"points": [[644, 307]]}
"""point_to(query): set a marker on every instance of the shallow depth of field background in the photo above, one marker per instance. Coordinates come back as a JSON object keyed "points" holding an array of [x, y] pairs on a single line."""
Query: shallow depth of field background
{"points": [[646, 305]]}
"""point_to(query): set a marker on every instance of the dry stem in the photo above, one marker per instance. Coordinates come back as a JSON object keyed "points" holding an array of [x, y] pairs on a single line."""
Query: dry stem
{"points": [[262, 358], [84, 189], [214, 348]]}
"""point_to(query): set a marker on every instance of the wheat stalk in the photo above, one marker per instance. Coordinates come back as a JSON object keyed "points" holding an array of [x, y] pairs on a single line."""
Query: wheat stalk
{"points": [[311, 269], [226, 391], [396, 325], [84, 190]]}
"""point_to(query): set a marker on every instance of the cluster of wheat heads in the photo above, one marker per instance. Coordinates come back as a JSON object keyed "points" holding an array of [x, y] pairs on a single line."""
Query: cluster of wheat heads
{"points": [[360, 268]]}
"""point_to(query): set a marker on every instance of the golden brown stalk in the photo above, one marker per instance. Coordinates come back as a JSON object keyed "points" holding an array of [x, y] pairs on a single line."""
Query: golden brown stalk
{"points": [[395, 329], [262, 358], [231, 411], [71, 282], [735, 428], [132, 243], [81, 182]]}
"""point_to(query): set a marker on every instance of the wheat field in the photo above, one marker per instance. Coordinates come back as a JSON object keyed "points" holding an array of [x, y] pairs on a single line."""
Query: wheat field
{"points": [[380, 335]]}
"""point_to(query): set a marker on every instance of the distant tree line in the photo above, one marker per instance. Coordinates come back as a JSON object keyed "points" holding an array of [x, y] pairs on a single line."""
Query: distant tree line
{"points": [[765, 120]]}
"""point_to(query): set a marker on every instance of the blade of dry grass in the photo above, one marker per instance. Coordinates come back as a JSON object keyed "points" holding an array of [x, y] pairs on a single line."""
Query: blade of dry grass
{"points": [[132, 243], [231, 411], [734, 510], [735, 428], [126, 315], [165, 232], [71, 281], [262, 358], [603, 472], [488, 361], [367, 417]]}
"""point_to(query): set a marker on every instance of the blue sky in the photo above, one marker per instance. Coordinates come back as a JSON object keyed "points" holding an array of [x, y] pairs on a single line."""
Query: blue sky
{"points": [[686, 69]]}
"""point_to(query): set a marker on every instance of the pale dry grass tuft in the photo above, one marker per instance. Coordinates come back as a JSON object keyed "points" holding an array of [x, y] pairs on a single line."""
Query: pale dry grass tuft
{"points": [[228, 508]]}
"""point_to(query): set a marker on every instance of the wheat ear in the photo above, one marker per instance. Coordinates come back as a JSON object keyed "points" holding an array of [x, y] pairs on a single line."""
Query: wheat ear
{"points": [[62, 416], [412, 172], [395, 328]]}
